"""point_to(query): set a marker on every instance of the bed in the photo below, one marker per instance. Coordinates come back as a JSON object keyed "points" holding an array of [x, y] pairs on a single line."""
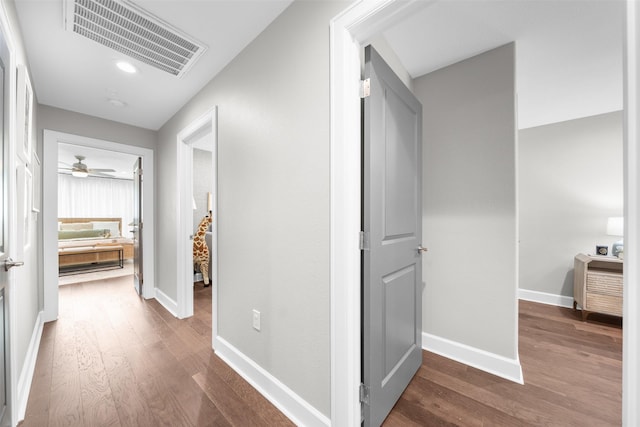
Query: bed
{"points": [[92, 244]]}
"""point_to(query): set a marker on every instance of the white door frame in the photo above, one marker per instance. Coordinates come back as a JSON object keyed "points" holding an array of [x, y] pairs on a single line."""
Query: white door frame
{"points": [[50, 211], [348, 32], [11, 146], [631, 309], [203, 125]]}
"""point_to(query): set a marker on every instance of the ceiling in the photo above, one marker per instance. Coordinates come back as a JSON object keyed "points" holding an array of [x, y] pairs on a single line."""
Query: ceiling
{"points": [[74, 73], [569, 52]]}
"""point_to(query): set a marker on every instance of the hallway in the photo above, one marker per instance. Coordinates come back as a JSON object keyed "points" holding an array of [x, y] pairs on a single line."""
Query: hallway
{"points": [[112, 359]]}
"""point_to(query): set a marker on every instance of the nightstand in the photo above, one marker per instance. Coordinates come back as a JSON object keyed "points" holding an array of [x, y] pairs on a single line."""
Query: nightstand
{"points": [[597, 284]]}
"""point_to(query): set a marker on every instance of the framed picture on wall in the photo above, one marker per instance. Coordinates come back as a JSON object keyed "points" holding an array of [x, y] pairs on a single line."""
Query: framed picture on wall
{"points": [[24, 110]]}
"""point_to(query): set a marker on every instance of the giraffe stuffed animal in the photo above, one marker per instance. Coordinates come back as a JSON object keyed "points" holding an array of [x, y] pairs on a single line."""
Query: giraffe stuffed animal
{"points": [[200, 249]]}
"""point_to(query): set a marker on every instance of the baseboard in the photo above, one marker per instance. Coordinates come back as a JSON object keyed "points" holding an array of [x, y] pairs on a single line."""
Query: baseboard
{"points": [[492, 363], [166, 302], [545, 298], [293, 406], [29, 367]]}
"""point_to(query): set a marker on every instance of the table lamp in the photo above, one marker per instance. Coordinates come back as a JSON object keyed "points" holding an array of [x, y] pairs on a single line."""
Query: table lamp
{"points": [[615, 227]]}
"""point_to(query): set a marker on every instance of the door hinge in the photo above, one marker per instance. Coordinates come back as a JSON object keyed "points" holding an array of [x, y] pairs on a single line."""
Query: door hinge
{"points": [[365, 88], [364, 241], [364, 394]]}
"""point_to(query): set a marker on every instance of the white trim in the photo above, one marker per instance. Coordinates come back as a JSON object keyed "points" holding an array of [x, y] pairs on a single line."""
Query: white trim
{"points": [[50, 212], [28, 368], [545, 298], [345, 227], [203, 125], [289, 403], [631, 313], [492, 363], [166, 302]]}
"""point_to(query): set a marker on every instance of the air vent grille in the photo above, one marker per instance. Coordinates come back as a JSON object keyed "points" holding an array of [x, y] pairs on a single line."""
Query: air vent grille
{"points": [[133, 32]]}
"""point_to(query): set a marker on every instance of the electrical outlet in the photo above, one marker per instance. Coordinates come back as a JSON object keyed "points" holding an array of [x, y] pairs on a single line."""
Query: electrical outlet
{"points": [[256, 320]]}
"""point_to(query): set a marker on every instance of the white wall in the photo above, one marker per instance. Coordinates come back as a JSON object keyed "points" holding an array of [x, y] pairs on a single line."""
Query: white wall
{"points": [[60, 120], [570, 182], [469, 202], [273, 209]]}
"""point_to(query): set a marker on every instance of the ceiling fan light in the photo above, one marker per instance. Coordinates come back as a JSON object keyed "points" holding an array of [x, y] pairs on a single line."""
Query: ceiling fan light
{"points": [[80, 174]]}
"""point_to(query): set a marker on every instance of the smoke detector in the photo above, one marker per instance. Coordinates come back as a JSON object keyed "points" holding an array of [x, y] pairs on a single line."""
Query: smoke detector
{"points": [[128, 29]]}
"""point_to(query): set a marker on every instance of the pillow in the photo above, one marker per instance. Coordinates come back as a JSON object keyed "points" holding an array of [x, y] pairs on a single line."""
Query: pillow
{"points": [[76, 226], [112, 226], [82, 234]]}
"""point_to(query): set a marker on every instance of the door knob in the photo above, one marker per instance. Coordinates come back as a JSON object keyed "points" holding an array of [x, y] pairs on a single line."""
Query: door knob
{"points": [[421, 249], [9, 263]]}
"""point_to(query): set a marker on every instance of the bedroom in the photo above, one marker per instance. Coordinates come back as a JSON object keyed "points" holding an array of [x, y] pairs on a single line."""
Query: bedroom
{"points": [[95, 211]]}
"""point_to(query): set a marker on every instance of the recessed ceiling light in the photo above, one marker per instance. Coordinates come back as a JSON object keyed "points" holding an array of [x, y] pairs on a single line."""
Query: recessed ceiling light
{"points": [[126, 67]]}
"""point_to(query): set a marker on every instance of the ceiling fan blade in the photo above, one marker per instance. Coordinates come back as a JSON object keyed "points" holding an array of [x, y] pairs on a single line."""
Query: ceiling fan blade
{"points": [[65, 169], [91, 170]]}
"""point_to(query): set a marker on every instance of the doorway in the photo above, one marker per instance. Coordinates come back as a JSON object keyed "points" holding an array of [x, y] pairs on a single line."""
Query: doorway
{"points": [[195, 200], [50, 214], [102, 198], [348, 31]]}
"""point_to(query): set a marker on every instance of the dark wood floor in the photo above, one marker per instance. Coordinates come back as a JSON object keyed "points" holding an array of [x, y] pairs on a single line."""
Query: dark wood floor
{"points": [[572, 372], [113, 359]]}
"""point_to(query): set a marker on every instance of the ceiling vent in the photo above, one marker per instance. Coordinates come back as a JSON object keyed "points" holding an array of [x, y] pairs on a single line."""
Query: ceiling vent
{"points": [[128, 29]]}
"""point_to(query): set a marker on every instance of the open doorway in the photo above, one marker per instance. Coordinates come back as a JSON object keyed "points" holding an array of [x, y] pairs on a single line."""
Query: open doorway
{"points": [[95, 212], [52, 140], [202, 195], [197, 188], [359, 23]]}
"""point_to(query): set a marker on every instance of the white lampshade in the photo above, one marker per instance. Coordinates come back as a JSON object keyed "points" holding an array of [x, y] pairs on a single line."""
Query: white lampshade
{"points": [[79, 174], [615, 226]]}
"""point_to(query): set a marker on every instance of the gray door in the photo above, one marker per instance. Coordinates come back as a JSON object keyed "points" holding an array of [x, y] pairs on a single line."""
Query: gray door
{"points": [[138, 277], [392, 225]]}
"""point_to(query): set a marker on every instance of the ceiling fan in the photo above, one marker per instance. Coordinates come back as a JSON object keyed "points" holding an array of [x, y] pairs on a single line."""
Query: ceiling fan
{"points": [[81, 170]]}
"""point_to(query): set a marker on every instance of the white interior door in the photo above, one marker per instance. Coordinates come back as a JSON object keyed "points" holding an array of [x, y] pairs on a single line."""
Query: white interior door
{"points": [[4, 250], [392, 225], [7, 201]]}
